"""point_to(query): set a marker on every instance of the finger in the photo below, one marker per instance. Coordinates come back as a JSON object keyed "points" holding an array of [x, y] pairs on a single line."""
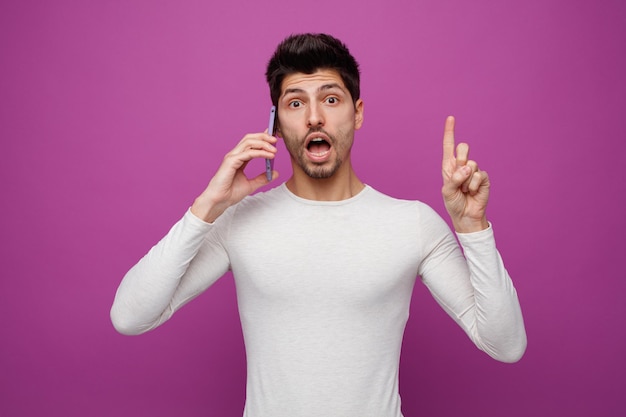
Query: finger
{"points": [[458, 178], [448, 139], [255, 143], [473, 166], [239, 160], [462, 154], [478, 180], [258, 136], [452, 187]]}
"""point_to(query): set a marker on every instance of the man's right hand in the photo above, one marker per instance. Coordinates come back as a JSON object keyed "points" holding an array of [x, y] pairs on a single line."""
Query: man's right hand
{"points": [[230, 185]]}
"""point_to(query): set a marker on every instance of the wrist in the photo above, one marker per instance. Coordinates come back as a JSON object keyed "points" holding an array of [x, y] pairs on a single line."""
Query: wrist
{"points": [[470, 225], [206, 210]]}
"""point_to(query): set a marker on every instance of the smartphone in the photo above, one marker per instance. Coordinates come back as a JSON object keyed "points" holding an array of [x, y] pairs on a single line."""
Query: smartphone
{"points": [[269, 163]]}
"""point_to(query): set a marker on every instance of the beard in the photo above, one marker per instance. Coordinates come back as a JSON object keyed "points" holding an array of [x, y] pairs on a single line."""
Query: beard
{"points": [[297, 151], [321, 171]]}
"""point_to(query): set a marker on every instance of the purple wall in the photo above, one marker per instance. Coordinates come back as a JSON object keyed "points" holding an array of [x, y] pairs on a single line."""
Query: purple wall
{"points": [[115, 114]]}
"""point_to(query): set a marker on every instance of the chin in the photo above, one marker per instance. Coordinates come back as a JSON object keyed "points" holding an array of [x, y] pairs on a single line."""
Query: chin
{"points": [[320, 172]]}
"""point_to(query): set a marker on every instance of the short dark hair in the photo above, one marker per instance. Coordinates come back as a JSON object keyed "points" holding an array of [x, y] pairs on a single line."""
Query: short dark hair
{"points": [[308, 53]]}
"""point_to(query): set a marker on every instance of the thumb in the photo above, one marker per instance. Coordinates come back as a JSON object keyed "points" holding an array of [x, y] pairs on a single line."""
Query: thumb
{"points": [[261, 180], [460, 175]]}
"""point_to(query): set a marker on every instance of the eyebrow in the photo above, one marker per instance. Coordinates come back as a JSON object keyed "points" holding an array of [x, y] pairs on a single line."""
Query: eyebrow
{"points": [[320, 89]]}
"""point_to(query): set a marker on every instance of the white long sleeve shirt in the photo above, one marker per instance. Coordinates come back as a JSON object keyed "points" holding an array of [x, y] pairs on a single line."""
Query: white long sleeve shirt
{"points": [[323, 291]]}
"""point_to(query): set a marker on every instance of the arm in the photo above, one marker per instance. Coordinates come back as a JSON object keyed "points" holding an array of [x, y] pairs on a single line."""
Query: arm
{"points": [[475, 290], [191, 256], [497, 324], [183, 264]]}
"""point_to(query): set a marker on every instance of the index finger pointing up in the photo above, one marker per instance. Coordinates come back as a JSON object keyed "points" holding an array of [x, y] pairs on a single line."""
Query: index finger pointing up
{"points": [[448, 139]]}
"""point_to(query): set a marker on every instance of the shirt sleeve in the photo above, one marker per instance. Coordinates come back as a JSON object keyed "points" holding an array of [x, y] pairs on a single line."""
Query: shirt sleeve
{"points": [[475, 289], [178, 268]]}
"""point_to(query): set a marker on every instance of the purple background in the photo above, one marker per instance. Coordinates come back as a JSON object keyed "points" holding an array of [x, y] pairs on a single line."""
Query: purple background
{"points": [[115, 114]]}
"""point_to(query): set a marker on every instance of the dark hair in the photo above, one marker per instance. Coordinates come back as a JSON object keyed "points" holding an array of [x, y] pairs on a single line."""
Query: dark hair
{"points": [[308, 53]]}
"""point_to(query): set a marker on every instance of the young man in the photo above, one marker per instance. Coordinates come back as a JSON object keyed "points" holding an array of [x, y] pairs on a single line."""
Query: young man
{"points": [[324, 264]]}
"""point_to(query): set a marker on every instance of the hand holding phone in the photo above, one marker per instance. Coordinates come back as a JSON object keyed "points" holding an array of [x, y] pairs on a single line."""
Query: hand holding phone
{"points": [[269, 163]]}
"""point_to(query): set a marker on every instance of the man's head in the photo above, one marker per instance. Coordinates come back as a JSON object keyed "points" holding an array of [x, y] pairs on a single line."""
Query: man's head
{"points": [[308, 53]]}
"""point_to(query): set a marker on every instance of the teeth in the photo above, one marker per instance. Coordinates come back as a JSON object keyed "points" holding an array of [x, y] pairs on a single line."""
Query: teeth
{"points": [[316, 141]]}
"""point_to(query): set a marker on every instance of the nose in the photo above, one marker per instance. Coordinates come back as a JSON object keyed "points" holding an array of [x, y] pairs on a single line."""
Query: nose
{"points": [[315, 116]]}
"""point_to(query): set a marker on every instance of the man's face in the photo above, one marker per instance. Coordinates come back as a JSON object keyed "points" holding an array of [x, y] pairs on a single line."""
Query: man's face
{"points": [[317, 120]]}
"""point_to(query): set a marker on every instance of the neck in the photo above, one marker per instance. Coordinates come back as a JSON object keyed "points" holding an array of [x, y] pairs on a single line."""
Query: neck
{"points": [[341, 186]]}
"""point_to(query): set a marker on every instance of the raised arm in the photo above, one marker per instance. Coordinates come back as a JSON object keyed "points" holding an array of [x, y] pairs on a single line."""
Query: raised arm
{"points": [[191, 256], [473, 286]]}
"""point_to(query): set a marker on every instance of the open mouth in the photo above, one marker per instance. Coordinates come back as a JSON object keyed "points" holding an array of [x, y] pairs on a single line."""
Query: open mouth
{"points": [[318, 147]]}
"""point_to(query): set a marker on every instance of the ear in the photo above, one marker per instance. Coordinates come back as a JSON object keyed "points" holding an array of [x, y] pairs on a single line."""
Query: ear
{"points": [[277, 131], [358, 114]]}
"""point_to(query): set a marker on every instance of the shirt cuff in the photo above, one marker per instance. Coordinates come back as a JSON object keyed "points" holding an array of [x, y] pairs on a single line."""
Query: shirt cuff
{"points": [[195, 220], [482, 236]]}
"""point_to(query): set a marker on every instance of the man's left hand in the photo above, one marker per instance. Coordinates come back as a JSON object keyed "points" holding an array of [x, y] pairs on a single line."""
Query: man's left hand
{"points": [[465, 187]]}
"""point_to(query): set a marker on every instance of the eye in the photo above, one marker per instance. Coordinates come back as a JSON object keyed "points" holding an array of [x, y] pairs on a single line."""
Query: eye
{"points": [[295, 104], [332, 100]]}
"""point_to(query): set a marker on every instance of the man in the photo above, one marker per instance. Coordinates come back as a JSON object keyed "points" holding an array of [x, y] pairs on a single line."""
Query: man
{"points": [[324, 264]]}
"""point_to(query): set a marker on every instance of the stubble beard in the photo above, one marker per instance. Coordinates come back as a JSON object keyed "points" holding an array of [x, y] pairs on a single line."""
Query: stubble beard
{"points": [[317, 170]]}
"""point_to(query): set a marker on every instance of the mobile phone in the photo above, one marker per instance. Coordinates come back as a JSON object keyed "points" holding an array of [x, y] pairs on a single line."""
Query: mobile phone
{"points": [[269, 163]]}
